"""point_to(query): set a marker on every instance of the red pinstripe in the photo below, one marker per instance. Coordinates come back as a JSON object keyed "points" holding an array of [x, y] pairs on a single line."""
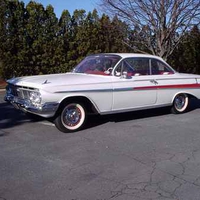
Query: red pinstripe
{"points": [[189, 86]]}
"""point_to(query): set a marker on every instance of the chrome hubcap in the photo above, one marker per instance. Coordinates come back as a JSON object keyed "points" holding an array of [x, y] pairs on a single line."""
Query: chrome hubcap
{"points": [[180, 102], [72, 116]]}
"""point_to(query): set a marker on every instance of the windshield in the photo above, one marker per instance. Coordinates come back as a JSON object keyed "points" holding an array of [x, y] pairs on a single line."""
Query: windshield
{"points": [[97, 64]]}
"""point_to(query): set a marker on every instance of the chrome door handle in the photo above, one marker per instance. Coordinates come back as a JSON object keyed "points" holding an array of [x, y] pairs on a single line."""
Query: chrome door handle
{"points": [[154, 81]]}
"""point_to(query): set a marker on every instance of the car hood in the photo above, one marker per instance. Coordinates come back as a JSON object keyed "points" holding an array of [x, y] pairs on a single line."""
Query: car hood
{"points": [[55, 80]]}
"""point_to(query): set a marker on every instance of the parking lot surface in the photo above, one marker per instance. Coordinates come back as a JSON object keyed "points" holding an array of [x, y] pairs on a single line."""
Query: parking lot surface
{"points": [[146, 155]]}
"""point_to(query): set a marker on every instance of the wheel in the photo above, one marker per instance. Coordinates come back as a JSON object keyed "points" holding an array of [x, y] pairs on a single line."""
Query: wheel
{"points": [[180, 104], [71, 118]]}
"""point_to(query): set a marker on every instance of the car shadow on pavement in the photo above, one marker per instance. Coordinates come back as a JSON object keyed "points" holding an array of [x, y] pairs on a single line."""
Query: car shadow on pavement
{"points": [[141, 114], [97, 120], [11, 117], [194, 104]]}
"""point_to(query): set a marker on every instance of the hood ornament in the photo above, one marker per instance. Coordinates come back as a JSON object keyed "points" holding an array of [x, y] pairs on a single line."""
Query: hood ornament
{"points": [[46, 82]]}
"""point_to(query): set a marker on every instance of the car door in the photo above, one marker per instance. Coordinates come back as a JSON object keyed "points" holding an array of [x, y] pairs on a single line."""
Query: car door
{"points": [[133, 86], [167, 82]]}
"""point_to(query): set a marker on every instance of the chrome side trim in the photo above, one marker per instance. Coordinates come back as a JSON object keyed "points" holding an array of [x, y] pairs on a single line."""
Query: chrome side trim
{"points": [[141, 88], [99, 90], [135, 109]]}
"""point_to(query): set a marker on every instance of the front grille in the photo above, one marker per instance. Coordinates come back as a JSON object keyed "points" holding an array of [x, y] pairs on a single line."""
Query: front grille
{"points": [[20, 91]]}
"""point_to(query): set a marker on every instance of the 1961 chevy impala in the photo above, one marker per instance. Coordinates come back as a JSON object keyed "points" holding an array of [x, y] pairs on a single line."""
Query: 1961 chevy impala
{"points": [[104, 84]]}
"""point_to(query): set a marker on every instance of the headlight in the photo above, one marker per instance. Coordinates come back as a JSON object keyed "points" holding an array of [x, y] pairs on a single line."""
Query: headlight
{"points": [[35, 98]]}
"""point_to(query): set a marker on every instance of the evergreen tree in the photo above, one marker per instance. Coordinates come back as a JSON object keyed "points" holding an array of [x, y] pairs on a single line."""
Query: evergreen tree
{"points": [[77, 24], [50, 42], [3, 8], [112, 35], [13, 41], [186, 58], [34, 41], [35, 33], [104, 33], [86, 37], [93, 27], [118, 35], [64, 38]]}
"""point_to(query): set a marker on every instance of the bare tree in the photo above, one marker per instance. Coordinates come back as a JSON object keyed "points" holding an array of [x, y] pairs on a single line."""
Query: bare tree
{"points": [[161, 23]]}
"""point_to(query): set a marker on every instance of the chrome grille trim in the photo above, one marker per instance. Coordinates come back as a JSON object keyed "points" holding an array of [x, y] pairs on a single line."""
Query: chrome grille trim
{"points": [[20, 91]]}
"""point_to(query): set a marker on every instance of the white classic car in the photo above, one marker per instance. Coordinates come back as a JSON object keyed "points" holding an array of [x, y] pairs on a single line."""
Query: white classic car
{"points": [[103, 84]]}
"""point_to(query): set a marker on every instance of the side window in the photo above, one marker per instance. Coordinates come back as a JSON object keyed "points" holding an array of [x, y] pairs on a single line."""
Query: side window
{"points": [[158, 67], [141, 66], [133, 67]]}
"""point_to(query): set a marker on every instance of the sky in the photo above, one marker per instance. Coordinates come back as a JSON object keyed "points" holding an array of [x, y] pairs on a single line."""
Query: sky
{"points": [[70, 5]]}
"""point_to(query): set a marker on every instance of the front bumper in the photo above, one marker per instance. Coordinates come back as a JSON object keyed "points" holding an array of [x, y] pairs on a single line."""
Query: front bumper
{"points": [[45, 110]]}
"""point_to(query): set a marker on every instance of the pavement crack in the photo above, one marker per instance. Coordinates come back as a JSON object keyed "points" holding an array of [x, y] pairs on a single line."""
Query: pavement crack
{"points": [[152, 172], [118, 192], [183, 168], [196, 181], [175, 189]]}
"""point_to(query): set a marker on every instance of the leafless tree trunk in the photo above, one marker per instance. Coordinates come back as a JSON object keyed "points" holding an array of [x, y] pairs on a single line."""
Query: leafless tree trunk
{"points": [[162, 23]]}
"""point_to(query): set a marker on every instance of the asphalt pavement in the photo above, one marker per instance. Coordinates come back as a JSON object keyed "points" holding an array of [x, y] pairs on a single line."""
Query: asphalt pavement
{"points": [[143, 155]]}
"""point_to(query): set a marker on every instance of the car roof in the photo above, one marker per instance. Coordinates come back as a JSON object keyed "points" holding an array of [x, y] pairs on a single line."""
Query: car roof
{"points": [[128, 55]]}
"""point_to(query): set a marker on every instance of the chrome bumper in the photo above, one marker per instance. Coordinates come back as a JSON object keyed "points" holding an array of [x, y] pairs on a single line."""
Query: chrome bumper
{"points": [[45, 110]]}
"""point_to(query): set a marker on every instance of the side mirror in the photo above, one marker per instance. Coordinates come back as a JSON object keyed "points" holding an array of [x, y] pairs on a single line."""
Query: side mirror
{"points": [[108, 71], [124, 75]]}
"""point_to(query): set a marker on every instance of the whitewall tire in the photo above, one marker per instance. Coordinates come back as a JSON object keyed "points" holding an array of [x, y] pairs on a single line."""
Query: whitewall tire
{"points": [[71, 117], [180, 104]]}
